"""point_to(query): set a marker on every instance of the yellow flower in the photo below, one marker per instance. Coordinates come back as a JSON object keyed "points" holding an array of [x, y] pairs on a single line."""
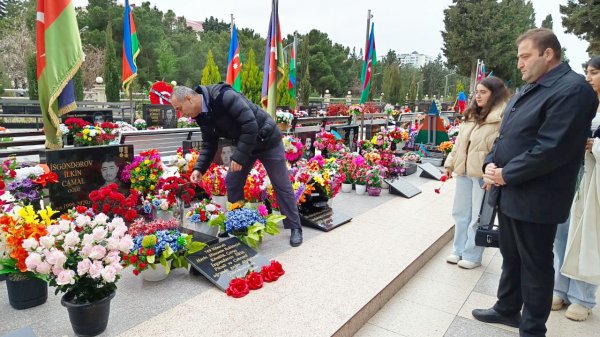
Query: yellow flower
{"points": [[86, 131], [46, 215], [132, 180], [137, 169], [152, 187], [152, 176], [142, 178], [146, 161]]}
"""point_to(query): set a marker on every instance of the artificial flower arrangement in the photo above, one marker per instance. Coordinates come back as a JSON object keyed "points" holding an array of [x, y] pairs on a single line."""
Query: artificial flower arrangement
{"points": [[21, 229], [7, 173], [124, 127], [411, 156], [360, 174], [144, 171], [109, 127], [325, 140], [323, 174], [369, 108], [76, 125], [364, 145], [185, 163], [385, 160], [81, 255], [272, 198], [213, 180], [255, 188], [372, 157], [176, 187], [396, 167], [108, 200], [186, 122], [247, 223], [28, 182], [283, 117], [446, 147], [347, 166], [159, 241], [388, 108], [240, 287], [92, 135], [375, 176], [398, 135], [381, 140], [337, 109], [293, 148], [355, 109], [140, 124], [204, 211]]}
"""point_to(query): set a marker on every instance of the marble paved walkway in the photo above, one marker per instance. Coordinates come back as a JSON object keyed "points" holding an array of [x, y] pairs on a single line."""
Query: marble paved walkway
{"points": [[438, 301]]}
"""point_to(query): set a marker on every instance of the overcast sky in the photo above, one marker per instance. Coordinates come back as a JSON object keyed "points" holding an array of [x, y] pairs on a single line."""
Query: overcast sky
{"points": [[402, 25]]}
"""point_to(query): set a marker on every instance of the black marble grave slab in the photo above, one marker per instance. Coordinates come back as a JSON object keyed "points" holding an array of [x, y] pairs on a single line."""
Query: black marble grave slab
{"points": [[324, 219], [430, 171], [400, 186], [222, 262], [160, 115], [81, 170], [90, 115]]}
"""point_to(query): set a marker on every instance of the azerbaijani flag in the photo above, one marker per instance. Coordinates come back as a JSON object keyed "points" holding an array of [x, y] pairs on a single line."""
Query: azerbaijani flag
{"points": [[131, 48], [273, 55], [58, 55], [234, 65], [370, 61], [292, 73]]}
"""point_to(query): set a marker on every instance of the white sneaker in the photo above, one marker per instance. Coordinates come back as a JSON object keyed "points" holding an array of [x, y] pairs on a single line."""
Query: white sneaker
{"points": [[557, 303], [468, 264], [453, 259], [577, 312]]}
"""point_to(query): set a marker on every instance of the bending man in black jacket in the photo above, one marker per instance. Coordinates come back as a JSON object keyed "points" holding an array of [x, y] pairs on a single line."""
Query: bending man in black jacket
{"points": [[533, 167], [222, 112]]}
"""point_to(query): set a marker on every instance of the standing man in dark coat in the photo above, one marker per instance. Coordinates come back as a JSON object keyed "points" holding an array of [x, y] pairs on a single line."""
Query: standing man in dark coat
{"points": [[220, 111], [532, 170]]}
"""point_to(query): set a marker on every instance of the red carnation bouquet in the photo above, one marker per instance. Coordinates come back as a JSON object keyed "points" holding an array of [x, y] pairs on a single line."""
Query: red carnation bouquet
{"points": [[256, 184], [111, 202], [176, 187], [76, 125]]}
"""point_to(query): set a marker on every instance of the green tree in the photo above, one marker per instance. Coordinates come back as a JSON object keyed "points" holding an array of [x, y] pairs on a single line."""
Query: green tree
{"points": [[433, 77], [112, 79], [166, 60], [392, 82], [32, 77], [210, 73], [251, 79], [548, 22], [582, 18], [213, 24], [78, 85], [283, 95], [303, 62], [487, 30]]}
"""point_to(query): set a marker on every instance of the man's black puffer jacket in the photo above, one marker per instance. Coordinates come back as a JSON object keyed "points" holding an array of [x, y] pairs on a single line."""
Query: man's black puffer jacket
{"points": [[231, 115]]}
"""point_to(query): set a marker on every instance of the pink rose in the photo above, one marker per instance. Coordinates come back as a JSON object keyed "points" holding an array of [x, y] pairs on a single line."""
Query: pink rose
{"points": [[43, 268], [119, 230], [65, 277], [88, 239], [109, 274], [83, 267], [126, 244], [98, 252], [99, 233], [112, 257], [32, 261], [30, 244], [56, 258], [96, 269], [47, 241], [113, 243], [53, 230], [86, 250], [71, 239]]}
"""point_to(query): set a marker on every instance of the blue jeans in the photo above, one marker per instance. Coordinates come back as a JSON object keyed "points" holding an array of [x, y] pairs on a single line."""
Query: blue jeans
{"points": [[467, 204], [571, 291]]}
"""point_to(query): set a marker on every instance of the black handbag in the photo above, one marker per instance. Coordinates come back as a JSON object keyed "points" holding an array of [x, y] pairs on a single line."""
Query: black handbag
{"points": [[486, 234]]}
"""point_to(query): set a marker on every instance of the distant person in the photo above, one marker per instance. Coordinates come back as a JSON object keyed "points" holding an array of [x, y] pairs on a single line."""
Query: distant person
{"points": [[532, 170], [578, 289], [220, 111], [478, 130]]}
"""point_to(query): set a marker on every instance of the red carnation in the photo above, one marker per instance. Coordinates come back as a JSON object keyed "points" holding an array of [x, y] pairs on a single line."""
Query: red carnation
{"points": [[255, 280], [81, 209], [268, 274], [238, 287], [142, 265], [136, 272], [277, 268], [133, 259]]}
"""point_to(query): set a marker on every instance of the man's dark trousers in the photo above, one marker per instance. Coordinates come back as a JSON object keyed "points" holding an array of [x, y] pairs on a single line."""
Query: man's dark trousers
{"points": [[273, 160], [527, 273]]}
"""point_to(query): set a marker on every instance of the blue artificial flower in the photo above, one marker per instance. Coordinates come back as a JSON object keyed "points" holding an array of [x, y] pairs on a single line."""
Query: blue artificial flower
{"points": [[242, 218], [147, 208], [156, 202], [195, 218]]}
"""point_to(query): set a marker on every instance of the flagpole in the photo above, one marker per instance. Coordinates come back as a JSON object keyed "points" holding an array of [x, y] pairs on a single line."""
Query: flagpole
{"points": [[295, 65], [132, 111], [231, 25], [362, 114]]}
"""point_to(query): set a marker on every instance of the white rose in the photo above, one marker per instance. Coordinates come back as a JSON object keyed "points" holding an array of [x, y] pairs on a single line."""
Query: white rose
{"points": [[126, 244], [101, 219], [33, 261], [71, 239], [88, 239], [119, 231], [43, 268], [65, 277], [47, 241], [99, 233], [109, 274], [82, 220], [53, 230], [164, 205], [98, 252], [112, 257], [95, 269], [113, 243], [86, 250], [211, 208], [30, 244], [83, 267], [56, 258]]}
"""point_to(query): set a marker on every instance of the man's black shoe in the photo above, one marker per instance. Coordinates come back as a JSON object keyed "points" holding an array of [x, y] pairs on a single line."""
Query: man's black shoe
{"points": [[296, 237], [492, 316]]}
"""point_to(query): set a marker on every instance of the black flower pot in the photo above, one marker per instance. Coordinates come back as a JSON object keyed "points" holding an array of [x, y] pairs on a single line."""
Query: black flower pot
{"points": [[88, 319], [26, 292]]}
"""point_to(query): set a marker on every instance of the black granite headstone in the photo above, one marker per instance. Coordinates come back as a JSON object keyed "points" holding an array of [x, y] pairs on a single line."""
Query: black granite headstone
{"points": [[81, 170], [324, 219], [222, 262], [163, 115], [191, 144], [349, 134], [430, 171], [400, 186], [90, 115]]}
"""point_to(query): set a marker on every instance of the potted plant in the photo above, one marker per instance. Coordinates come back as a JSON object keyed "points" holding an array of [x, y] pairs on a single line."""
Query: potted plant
{"points": [[140, 124], [82, 258], [360, 178], [158, 247], [247, 223], [374, 180], [347, 167], [283, 120], [213, 182], [201, 213], [20, 231]]}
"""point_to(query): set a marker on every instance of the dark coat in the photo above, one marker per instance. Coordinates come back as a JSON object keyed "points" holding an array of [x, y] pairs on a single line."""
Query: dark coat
{"points": [[541, 145], [231, 115]]}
